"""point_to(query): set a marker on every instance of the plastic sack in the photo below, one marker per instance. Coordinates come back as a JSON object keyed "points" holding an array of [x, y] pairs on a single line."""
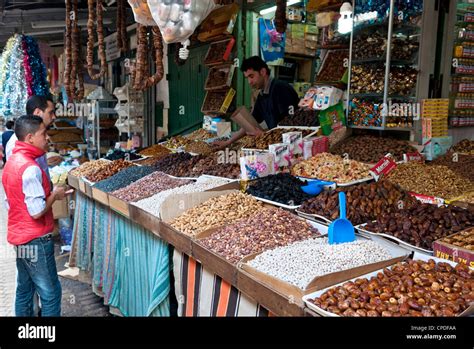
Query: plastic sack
{"points": [[178, 19], [141, 12]]}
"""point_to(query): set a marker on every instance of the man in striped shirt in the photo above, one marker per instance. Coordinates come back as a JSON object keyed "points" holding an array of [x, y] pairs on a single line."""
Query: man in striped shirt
{"points": [[30, 219]]}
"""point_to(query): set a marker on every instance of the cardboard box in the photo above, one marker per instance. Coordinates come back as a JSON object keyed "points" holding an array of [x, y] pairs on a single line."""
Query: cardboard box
{"points": [[457, 254], [218, 23]]}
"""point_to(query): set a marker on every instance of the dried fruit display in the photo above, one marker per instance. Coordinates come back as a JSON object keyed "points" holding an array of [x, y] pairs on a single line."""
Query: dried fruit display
{"points": [[365, 202], [198, 147], [200, 135], [461, 164], [370, 149], [422, 224], [438, 181], [276, 136], [302, 261], [147, 186], [264, 230], [334, 67], [124, 178], [414, 289], [302, 117], [464, 239], [333, 168], [88, 167], [156, 150], [464, 146], [219, 77], [177, 142], [108, 170], [282, 188], [216, 212]]}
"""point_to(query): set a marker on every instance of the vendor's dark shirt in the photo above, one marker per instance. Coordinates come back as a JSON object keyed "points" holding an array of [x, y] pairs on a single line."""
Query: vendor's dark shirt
{"points": [[273, 103]]}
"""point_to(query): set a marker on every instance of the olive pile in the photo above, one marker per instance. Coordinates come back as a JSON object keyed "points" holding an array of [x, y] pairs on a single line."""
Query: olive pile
{"points": [[282, 188]]}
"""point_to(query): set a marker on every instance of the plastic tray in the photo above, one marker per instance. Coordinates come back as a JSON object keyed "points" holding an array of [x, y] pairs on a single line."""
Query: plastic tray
{"points": [[288, 207], [402, 243], [314, 217]]}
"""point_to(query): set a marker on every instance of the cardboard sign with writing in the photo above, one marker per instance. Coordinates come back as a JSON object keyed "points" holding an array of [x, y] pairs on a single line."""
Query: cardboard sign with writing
{"points": [[413, 157], [383, 167]]}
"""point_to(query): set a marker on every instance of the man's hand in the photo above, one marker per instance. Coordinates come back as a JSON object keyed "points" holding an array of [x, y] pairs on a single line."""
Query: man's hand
{"points": [[220, 144], [256, 132], [59, 193]]}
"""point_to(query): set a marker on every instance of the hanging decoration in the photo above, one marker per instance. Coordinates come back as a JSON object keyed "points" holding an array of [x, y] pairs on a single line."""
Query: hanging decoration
{"points": [[100, 37], [22, 74], [139, 74], [280, 16], [122, 41]]}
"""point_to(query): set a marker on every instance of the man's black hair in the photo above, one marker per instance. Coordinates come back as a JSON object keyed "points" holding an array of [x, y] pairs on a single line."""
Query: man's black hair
{"points": [[255, 63], [40, 102], [27, 124], [9, 125]]}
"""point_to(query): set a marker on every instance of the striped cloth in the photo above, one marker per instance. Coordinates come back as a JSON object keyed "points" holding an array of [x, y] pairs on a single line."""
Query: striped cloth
{"points": [[200, 293], [129, 265]]}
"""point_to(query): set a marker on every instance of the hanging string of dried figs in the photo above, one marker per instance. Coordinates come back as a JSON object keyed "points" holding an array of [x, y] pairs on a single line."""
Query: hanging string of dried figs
{"points": [[67, 51], [140, 78], [100, 37], [76, 69], [280, 16], [122, 41]]}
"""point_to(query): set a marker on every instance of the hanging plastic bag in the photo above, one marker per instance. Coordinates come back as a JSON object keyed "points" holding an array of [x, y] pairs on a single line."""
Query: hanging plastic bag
{"points": [[141, 12], [272, 43], [179, 19]]}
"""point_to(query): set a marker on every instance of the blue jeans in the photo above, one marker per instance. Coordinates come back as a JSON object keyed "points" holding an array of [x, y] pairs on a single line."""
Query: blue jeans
{"points": [[37, 272]]}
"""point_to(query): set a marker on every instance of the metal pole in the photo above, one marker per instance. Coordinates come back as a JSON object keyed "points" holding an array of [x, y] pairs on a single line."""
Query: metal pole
{"points": [[387, 63]]}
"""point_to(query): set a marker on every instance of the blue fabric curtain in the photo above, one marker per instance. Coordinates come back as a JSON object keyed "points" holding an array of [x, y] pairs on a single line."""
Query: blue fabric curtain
{"points": [[130, 266]]}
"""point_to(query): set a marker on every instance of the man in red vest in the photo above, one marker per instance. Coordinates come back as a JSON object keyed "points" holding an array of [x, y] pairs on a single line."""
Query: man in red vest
{"points": [[30, 219]]}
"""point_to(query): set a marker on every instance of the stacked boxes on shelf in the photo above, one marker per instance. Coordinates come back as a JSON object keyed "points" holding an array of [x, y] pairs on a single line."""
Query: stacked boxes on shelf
{"points": [[435, 117]]}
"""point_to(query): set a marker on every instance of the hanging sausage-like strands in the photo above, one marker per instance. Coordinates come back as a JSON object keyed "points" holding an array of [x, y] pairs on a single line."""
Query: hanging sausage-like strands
{"points": [[140, 78], [100, 37], [122, 41], [280, 16], [67, 51], [76, 68]]}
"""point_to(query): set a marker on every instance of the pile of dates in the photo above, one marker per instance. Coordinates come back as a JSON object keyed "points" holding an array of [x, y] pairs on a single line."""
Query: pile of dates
{"points": [[414, 289], [422, 224], [371, 149], [365, 202]]}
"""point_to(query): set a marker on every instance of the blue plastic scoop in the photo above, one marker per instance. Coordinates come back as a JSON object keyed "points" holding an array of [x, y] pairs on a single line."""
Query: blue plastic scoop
{"points": [[315, 187], [341, 230]]}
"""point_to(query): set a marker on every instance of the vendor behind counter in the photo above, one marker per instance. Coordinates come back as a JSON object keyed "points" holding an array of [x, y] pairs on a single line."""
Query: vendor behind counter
{"points": [[276, 99]]}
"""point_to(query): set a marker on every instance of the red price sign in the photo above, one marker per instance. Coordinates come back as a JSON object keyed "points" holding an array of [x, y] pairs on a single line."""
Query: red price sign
{"points": [[383, 167], [413, 157]]}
